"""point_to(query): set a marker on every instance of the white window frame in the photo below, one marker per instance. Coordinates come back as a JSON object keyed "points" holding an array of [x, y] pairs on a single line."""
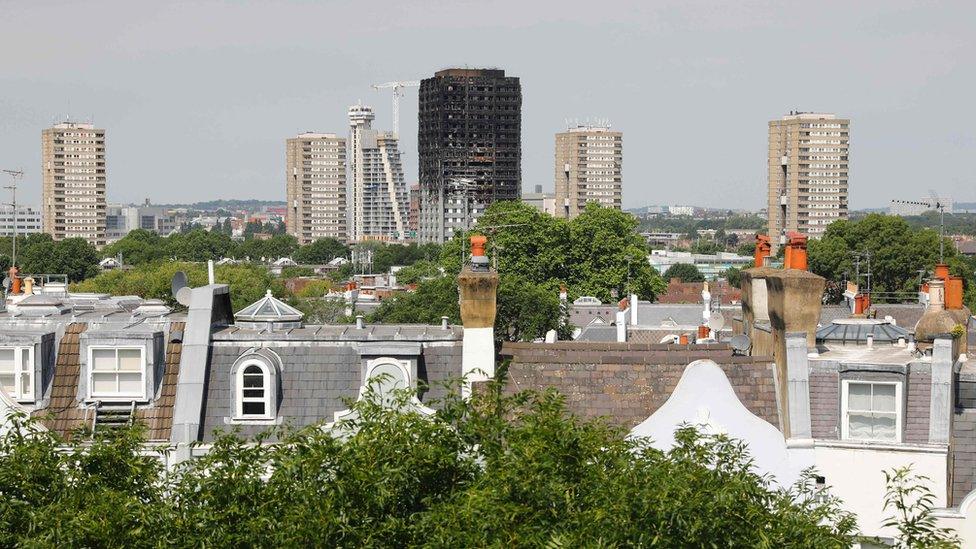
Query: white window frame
{"points": [[20, 369], [844, 411], [141, 395], [267, 399]]}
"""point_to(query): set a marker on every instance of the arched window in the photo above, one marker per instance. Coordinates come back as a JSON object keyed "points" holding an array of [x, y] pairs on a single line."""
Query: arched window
{"points": [[254, 391]]}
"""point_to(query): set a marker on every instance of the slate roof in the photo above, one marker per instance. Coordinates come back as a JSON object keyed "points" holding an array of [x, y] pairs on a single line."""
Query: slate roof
{"points": [[159, 416], [598, 332], [344, 332], [63, 415]]}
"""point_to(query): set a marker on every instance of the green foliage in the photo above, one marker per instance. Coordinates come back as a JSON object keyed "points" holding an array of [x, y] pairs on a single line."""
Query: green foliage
{"points": [[73, 257], [296, 271], [248, 283], [911, 501], [432, 300], [493, 471], [899, 256], [733, 276], [320, 252], [686, 272], [138, 247], [421, 270]]}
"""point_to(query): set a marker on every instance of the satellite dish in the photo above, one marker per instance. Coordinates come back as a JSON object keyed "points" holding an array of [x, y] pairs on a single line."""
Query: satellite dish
{"points": [[716, 321], [740, 343], [181, 292]]}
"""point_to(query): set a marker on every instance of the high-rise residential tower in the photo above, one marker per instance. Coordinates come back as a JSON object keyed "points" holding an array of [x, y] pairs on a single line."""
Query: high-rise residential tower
{"points": [[589, 162], [378, 202], [469, 136], [808, 160], [73, 182], [315, 165]]}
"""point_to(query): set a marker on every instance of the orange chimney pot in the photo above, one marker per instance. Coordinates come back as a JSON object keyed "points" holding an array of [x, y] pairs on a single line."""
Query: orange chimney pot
{"points": [[478, 245], [683, 339], [942, 271], [796, 252], [763, 249]]}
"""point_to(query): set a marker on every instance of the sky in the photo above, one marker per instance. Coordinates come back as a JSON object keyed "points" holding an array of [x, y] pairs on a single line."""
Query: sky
{"points": [[197, 98]]}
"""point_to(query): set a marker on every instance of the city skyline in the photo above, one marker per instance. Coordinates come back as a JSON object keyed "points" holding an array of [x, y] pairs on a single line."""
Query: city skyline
{"points": [[707, 64]]}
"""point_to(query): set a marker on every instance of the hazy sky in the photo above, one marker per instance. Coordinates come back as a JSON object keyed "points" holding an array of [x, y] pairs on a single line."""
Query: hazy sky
{"points": [[198, 97]]}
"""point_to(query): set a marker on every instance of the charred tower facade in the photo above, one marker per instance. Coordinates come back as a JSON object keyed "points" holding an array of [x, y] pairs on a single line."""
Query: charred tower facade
{"points": [[469, 136]]}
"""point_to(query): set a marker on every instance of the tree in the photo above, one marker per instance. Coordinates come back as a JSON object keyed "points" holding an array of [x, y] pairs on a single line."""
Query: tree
{"points": [[494, 471], [138, 247], [73, 257], [685, 272], [419, 271], [320, 252], [910, 501], [899, 256], [733, 276], [432, 300]]}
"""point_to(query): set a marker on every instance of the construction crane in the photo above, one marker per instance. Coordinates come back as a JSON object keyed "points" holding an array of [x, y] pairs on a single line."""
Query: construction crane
{"points": [[397, 86]]}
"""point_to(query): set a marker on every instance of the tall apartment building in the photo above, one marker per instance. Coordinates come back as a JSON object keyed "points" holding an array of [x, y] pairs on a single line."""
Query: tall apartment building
{"points": [[73, 182], [377, 193], [315, 166], [808, 161], [469, 136], [589, 163]]}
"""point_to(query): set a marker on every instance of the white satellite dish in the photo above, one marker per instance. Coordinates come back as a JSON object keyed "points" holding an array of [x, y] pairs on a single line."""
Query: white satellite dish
{"points": [[716, 321]]}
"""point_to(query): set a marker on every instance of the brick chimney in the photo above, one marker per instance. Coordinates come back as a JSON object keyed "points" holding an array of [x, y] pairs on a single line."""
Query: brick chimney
{"points": [[478, 287]]}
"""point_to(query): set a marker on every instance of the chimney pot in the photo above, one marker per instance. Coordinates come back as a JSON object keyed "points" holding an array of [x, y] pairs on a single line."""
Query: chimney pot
{"points": [[763, 248], [443, 322], [360, 322]]}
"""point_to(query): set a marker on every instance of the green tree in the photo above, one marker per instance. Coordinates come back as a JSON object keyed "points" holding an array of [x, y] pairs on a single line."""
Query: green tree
{"points": [[73, 257], [491, 471], [199, 245], [686, 272], [320, 252], [138, 247], [733, 276], [432, 300], [419, 271], [910, 500]]}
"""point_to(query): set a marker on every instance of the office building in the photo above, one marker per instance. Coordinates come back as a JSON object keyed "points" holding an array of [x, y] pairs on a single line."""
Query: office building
{"points": [[589, 161], [73, 182], [808, 161], [377, 193], [544, 202], [28, 220], [315, 165], [469, 137], [121, 219]]}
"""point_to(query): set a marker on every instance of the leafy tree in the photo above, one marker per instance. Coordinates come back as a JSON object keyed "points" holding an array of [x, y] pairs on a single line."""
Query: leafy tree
{"points": [[421, 270], [73, 257], [686, 272], [733, 276], [900, 255], [702, 246], [248, 283], [911, 501], [746, 248], [492, 471], [138, 247], [432, 300], [199, 245], [296, 271], [320, 252]]}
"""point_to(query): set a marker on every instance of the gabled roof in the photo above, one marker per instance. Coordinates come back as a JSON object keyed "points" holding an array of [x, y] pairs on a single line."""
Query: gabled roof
{"points": [[269, 309]]}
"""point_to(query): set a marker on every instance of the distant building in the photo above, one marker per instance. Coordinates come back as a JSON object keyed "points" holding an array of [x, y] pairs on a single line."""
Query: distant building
{"points": [[469, 139], [808, 169], [377, 194], [681, 210], [315, 171], [544, 202], [710, 265], [28, 220], [919, 207], [73, 182], [589, 164], [120, 220]]}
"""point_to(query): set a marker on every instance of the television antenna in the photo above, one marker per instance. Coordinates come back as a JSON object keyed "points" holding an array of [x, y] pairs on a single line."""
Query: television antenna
{"points": [[939, 204], [15, 175]]}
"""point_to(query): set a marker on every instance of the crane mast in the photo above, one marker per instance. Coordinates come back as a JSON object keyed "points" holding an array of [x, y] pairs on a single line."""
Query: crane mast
{"points": [[397, 86]]}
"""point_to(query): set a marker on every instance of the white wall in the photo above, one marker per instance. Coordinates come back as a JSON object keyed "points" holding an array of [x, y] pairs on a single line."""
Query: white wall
{"points": [[855, 474]]}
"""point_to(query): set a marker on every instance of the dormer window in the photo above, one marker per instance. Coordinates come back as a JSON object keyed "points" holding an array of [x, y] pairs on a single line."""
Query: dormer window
{"points": [[254, 395], [871, 411], [17, 372], [117, 373]]}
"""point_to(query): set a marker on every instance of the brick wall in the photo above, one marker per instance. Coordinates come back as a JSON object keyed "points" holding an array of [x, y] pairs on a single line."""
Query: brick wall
{"points": [[918, 407], [627, 382], [825, 404]]}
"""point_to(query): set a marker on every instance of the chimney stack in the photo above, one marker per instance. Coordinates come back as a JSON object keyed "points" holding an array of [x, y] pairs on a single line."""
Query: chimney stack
{"points": [[478, 287], [763, 249]]}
